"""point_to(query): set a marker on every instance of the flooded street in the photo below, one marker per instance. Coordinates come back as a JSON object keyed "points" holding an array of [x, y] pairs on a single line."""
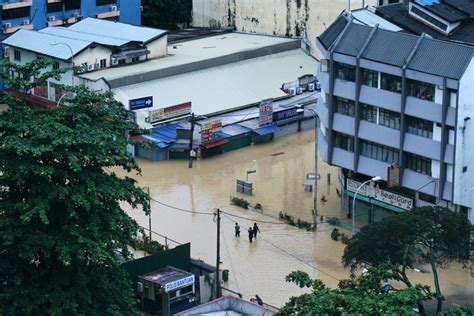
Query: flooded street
{"points": [[259, 268]]}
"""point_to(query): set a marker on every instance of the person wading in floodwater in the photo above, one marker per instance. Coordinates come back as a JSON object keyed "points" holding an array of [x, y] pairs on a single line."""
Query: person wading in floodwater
{"points": [[255, 230], [237, 230], [250, 234]]}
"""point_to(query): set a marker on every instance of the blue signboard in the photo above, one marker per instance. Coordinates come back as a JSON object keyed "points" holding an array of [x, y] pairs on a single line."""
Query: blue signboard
{"points": [[286, 115], [140, 103]]}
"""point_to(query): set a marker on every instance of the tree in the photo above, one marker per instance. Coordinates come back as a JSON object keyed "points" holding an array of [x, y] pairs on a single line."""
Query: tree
{"points": [[62, 229], [167, 14], [433, 234], [363, 296]]}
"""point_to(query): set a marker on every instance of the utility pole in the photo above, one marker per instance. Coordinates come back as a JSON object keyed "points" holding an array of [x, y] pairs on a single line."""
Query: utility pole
{"points": [[218, 256], [149, 214], [315, 191], [193, 121]]}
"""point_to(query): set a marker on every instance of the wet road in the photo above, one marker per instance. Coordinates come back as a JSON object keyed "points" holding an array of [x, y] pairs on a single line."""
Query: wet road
{"points": [[260, 267]]}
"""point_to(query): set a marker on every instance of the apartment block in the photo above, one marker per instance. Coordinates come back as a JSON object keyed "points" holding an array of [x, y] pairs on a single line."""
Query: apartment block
{"points": [[395, 100]]}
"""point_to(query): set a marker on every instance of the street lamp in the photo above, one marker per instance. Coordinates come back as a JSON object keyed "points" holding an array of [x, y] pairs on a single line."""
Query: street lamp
{"points": [[315, 190], [72, 58], [374, 179], [65, 94], [249, 172]]}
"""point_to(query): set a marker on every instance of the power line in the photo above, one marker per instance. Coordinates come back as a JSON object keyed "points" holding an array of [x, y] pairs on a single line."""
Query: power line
{"points": [[180, 209], [254, 220], [167, 238]]}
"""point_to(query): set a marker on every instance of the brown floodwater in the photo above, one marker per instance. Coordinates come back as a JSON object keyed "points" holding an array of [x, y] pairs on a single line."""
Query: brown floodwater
{"points": [[260, 267]]}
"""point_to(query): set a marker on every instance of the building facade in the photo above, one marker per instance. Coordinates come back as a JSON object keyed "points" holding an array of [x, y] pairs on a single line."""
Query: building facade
{"points": [[399, 100], [38, 14], [305, 19]]}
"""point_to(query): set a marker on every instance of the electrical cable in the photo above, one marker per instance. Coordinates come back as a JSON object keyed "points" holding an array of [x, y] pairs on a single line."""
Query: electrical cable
{"points": [[180, 209], [229, 258], [254, 220]]}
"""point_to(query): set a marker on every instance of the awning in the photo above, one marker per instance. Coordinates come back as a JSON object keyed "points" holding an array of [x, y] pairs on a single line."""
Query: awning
{"points": [[184, 146], [267, 130], [215, 143]]}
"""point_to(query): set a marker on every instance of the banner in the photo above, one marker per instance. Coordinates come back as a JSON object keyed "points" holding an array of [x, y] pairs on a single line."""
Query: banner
{"points": [[266, 112], [169, 112], [210, 130]]}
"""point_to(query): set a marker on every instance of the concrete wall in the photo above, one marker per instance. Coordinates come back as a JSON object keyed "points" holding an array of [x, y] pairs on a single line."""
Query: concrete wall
{"points": [[464, 181], [158, 48], [305, 18], [93, 55]]}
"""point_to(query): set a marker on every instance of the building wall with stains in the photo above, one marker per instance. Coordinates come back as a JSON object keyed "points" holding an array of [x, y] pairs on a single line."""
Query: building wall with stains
{"points": [[305, 18]]}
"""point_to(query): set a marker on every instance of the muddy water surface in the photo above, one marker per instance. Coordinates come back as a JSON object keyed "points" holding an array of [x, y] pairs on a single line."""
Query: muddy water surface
{"points": [[260, 267]]}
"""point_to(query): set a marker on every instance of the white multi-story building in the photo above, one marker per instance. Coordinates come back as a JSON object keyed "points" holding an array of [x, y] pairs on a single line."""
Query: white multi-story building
{"points": [[394, 99]]}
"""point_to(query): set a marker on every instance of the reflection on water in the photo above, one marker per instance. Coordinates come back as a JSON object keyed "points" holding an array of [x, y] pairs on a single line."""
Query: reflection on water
{"points": [[260, 267]]}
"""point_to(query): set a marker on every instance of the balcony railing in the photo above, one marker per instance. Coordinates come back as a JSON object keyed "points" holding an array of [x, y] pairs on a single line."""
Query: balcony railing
{"points": [[8, 29], [14, 4]]}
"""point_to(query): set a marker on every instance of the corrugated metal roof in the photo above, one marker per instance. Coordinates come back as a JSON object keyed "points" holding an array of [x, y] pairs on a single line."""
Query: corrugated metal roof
{"points": [[69, 33], [331, 33], [441, 58], [41, 43], [364, 16], [351, 42], [124, 31], [437, 57], [390, 47]]}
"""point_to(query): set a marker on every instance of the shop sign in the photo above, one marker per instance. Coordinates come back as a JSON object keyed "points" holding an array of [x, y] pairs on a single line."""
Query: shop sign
{"points": [[169, 112], [266, 112], [384, 196], [210, 130], [393, 176], [179, 283], [140, 103], [286, 115]]}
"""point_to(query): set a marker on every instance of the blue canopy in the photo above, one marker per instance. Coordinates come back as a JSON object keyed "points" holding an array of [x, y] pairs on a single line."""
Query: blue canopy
{"points": [[267, 130]]}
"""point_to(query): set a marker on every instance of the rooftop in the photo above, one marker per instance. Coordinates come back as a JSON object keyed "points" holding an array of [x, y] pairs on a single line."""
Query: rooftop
{"points": [[224, 87], [166, 275], [192, 51], [436, 57], [450, 10], [228, 305]]}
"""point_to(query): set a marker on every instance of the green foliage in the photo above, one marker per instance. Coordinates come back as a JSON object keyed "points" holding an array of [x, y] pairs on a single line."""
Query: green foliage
{"points": [[333, 221], [436, 235], [304, 224], [167, 14], [240, 202], [335, 234], [287, 218], [225, 275], [258, 206], [147, 244], [344, 239], [63, 231], [362, 296]]}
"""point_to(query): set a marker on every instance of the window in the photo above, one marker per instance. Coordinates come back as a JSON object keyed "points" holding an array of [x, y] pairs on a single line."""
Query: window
{"points": [[389, 119], [55, 65], [186, 290], [343, 141], [419, 164], [379, 152], [121, 62], [427, 198], [54, 7], [103, 63], [464, 169], [135, 59], [72, 5], [345, 72], [420, 127], [345, 107], [369, 113], [105, 2], [16, 13], [421, 90], [370, 78], [17, 55], [390, 82], [428, 18]]}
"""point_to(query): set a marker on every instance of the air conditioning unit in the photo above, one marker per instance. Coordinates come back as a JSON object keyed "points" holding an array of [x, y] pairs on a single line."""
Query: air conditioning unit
{"points": [[6, 53], [90, 67], [292, 91], [76, 14], [26, 22], [140, 287], [311, 86], [318, 86], [97, 66], [299, 90], [113, 8], [51, 18], [115, 61], [7, 25]]}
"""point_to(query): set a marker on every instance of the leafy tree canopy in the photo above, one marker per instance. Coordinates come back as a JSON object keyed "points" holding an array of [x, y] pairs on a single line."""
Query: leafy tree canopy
{"points": [[167, 14], [62, 229], [435, 235]]}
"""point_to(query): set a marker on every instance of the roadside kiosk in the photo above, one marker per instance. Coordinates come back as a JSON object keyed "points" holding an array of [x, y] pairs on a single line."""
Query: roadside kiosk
{"points": [[166, 291]]}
